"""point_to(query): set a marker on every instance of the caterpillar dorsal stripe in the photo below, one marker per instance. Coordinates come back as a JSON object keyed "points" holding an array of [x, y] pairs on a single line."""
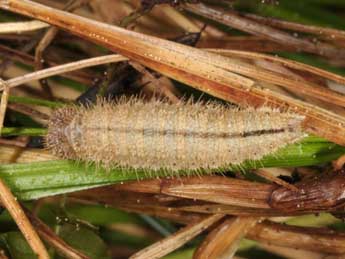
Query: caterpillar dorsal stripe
{"points": [[158, 135]]}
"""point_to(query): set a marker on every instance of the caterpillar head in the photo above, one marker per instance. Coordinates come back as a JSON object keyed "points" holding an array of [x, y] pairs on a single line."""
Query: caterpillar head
{"points": [[57, 139]]}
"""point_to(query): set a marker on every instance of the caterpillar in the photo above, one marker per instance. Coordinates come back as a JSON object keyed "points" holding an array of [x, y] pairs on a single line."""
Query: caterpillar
{"points": [[157, 135]]}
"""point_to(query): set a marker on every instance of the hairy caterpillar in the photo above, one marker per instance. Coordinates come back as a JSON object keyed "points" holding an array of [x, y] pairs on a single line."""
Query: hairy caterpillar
{"points": [[158, 135]]}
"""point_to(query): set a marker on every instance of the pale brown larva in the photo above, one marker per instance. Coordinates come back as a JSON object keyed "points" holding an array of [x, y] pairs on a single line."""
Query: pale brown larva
{"points": [[157, 135]]}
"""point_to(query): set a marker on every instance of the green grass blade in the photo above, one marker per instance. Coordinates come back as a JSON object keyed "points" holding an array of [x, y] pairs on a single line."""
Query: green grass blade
{"points": [[9, 131], [34, 101], [41, 179]]}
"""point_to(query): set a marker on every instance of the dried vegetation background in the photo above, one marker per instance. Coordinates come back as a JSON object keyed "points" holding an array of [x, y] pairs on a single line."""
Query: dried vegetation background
{"points": [[283, 54]]}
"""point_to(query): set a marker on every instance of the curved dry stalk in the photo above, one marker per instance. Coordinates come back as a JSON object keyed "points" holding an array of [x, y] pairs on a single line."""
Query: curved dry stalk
{"points": [[223, 241], [176, 240], [47, 38], [208, 72], [50, 237], [308, 238], [234, 20], [4, 101], [63, 69], [39, 61], [20, 27], [330, 33], [80, 76], [18, 215], [10, 202], [266, 174]]}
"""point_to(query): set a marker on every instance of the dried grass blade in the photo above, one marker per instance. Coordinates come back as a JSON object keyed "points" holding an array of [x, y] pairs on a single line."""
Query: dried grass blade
{"points": [[330, 33], [220, 190], [235, 210], [44, 73], [234, 20], [295, 84], [205, 71], [314, 239], [308, 238], [223, 241], [10, 202], [283, 61], [20, 27], [4, 102], [266, 174], [147, 186], [45, 41], [168, 213], [292, 253], [80, 76], [244, 43], [176, 240], [18, 215]]}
